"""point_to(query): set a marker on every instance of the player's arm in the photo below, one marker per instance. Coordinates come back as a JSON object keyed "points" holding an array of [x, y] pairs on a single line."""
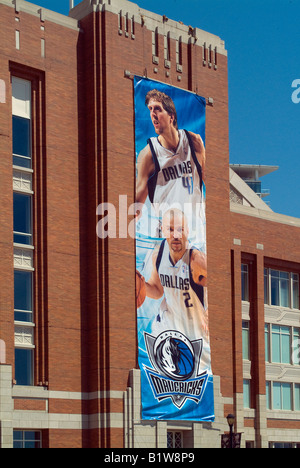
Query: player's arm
{"points": [[199, 267], [145, 168], [200, 151], [154, 289]]}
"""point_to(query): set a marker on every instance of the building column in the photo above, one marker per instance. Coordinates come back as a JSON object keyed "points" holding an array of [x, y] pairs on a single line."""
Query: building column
{"points": [[6, 407], [161, 434], [236, 262], [258, 364]]}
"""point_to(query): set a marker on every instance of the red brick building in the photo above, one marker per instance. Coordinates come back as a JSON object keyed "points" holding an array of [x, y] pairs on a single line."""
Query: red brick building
{"points": [[68, 349]]}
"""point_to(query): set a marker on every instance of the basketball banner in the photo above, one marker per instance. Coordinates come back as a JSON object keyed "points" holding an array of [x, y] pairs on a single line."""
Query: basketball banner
{"points": [[171, 263]]}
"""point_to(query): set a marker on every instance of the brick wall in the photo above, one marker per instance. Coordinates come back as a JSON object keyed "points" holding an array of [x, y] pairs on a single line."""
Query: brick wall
{"points": [[111, 167]]}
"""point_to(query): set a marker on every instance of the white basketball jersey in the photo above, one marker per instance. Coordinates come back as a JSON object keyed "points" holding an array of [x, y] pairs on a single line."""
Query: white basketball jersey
{"points": [[177, 181], [183, 308]]}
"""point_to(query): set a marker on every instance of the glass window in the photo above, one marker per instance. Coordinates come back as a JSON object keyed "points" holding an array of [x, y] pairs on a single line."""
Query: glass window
{"points": [[24, 366], [21, 122], [266, 285], [295, 291], [279, 288], [286, 396], [276, 396], [285, 345], [282, 393], [297, 397], [250, 444], [21, 97], [267, 342], [282, 396], [246, 342], [275, 344], [284, 288], [21, 142], [23, 296], [246, 391], [22, 219], [296, 347], [27, 439], [245, 283], [281, 445], [281, 344], [275, 288], [268, 395]]}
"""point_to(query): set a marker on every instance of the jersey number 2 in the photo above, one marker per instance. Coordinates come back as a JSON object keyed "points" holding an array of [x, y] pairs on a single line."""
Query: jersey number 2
{"points": [[187, 300]]}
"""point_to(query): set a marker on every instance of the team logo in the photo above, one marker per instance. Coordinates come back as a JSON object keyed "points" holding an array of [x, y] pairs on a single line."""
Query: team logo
{"points": [[176, 363]]}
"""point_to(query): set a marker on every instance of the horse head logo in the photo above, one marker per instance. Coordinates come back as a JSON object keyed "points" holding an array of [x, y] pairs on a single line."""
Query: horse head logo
{"points": [[174, 358], [168, 355]]}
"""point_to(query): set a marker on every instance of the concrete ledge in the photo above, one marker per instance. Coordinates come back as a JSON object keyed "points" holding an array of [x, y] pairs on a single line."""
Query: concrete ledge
{"points": [[264, 215]]}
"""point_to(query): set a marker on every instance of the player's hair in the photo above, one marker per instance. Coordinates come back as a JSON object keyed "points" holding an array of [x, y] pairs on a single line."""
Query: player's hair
{"points": [[166, 101], [172, 213]]}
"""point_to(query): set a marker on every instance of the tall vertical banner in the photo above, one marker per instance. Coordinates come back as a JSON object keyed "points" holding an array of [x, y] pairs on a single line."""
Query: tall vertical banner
{"points": [[171, 262]]}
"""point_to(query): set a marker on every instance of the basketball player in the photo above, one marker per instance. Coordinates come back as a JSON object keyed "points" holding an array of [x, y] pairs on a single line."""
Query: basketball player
{"points": [[179, 274], [172, 166]]}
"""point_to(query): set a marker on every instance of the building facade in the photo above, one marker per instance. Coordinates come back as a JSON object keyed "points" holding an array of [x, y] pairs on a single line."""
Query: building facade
{"points": [[68, 340]]}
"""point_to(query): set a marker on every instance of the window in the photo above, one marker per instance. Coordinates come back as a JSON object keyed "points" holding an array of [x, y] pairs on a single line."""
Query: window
{"points": [[24, 338], [281, 288], [245, 282], [283, 396], [27, 439], [296, 347], [22, 219], [247, 393], [268, 395], [174, 439], [23, 296], [24, 366], [250, 444], [282, 445], [21, 122], [267, 342], [282, 344], [266, 285], [297, 397], [246, 340], [295, 291], [21, 142], [22, 234]]}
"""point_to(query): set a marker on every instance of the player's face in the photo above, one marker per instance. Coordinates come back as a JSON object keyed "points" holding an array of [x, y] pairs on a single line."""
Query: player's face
{"points": [[160, 118], [175, 231]]}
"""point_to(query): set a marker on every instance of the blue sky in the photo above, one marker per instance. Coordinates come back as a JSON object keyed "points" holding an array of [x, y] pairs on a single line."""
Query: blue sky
{"points": [[262, 38]]}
